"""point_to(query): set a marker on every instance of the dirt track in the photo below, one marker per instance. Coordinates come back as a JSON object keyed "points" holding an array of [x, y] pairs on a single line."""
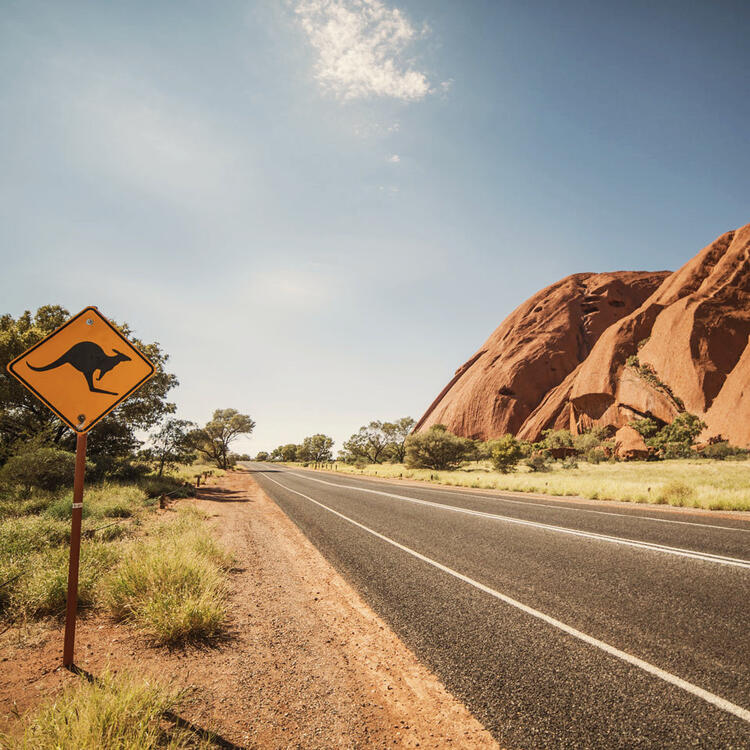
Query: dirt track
{"points": [[307, 664]]}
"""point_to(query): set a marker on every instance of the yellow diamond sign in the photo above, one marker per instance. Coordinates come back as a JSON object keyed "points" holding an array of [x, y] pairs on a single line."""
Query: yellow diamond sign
{"points": [[82, 370]]}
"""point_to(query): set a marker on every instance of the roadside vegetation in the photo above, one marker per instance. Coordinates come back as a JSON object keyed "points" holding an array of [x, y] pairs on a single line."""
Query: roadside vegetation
{"points": [[113, 711], [675, 470]]}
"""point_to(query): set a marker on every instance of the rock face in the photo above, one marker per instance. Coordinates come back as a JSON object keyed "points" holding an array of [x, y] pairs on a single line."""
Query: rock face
{"points": [[629, 445], [603, 349]]}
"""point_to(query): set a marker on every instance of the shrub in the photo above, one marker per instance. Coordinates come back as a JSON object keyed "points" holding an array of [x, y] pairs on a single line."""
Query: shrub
{"points": [[557, 439], [570, 463], [676, 493], [596, 455], [114, 711], [505, 453], [538, 462], [586, 442], [676, 450], [158, 486], [722, 450], [436, 448], [40, 468]]}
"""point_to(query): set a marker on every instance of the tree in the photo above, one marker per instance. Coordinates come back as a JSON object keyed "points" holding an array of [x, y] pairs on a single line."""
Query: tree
{"points": [[646, 427], [436, 448], [316, 448], [369, 444], [557, 439], [674, 440], [23, 417], [262, 456], [40, 467], [505, 453], [396, 434], [289, 452], [214, 440], [173, 444]]}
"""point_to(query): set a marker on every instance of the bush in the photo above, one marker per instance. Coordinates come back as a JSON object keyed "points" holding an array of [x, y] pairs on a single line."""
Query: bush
{"points": [[557, 439], [505, 453], [158, 486], [570, 463], [596, 455], [677, 450], [722, 450], [436, 448], [538, 462], [676, 493], [40, 468], [114, 711], [586, 442]]}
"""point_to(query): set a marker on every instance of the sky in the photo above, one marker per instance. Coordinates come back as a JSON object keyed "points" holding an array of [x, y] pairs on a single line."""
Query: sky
{"points": [[322, 208]]}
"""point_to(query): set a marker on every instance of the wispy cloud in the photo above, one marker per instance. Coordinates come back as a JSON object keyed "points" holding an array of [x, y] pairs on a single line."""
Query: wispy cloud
{"points": [[361, 46], [394, 159]]}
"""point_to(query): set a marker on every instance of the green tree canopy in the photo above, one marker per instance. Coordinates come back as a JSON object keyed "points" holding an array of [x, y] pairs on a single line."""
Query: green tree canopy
{"points": [[173, 444], [505, 453], [24, 418], [436, 448], [396, 434], [214, 440], [317, 448]]}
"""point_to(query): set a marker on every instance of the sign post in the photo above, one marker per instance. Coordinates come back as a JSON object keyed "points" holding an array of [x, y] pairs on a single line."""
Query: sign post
{"points": [[73, 374], [75, 551]]}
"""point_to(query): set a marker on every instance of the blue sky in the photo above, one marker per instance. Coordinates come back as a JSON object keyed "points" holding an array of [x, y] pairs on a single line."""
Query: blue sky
{"points": [[321, 208]]}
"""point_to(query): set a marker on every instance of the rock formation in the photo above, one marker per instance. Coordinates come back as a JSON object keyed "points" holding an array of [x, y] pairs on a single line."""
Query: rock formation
{"points": [[603, 349]]}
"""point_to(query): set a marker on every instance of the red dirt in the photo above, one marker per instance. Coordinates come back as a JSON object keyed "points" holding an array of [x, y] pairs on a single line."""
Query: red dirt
{"points": [[306, 664]]}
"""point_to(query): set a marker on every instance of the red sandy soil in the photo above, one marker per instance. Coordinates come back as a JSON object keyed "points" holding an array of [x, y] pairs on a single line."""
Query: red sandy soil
{"points": [[306, 664]]}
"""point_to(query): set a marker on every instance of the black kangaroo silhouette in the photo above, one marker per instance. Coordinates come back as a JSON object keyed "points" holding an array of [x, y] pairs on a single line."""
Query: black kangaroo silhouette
{"points": [[87, 357]]}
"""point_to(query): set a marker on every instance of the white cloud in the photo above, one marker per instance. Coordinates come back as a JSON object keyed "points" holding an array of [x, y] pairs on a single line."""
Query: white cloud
{"points": [[394, 159], [360, 46]]}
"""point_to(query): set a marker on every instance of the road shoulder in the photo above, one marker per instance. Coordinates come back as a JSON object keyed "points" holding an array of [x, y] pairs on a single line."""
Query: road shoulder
{"points": [[306, 662]]}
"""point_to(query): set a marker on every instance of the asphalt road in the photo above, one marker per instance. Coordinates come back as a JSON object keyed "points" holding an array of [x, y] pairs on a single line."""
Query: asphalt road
{"points": [[559, 624]]}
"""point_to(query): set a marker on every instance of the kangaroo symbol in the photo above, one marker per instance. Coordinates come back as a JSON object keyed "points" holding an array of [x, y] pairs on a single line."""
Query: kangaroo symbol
{"points": [[87, 357]]}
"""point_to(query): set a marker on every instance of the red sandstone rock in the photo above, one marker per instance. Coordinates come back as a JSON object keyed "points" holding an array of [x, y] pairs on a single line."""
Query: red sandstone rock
{"points": [[629, 445], [560, 359]]}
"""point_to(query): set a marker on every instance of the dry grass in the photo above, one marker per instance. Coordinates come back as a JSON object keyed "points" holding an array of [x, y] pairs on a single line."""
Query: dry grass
{"points": [[115, 711], [698, 483], [172, 585]]}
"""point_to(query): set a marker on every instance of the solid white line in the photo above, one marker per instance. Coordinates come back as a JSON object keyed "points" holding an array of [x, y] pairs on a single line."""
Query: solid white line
{"points": [[506, 499], [652, 546], [672, 679]]}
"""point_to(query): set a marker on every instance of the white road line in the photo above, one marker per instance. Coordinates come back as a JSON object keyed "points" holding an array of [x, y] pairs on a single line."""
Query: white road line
{"points": [[652, 546], [672, 679], [505, 499]]}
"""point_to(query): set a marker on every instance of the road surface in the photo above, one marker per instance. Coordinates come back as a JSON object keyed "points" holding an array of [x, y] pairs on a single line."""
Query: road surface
{"points": [[559, 623]]}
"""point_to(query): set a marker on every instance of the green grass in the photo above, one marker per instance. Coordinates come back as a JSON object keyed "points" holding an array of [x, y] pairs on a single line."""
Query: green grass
{"points": [[116, 711], [172, 586], [179, 565], [697, 483]]}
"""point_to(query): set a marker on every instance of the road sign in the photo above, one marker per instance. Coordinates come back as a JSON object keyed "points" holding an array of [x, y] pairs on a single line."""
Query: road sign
{"points": [[82, 370]]}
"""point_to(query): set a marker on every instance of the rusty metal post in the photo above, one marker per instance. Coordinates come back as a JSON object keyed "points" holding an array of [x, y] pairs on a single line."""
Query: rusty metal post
{"points": [[75, 552]]}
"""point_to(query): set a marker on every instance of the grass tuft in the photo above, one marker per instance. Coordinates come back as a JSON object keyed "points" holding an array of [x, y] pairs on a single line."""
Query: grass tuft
{"points": [[172, 587], [115, 711]]}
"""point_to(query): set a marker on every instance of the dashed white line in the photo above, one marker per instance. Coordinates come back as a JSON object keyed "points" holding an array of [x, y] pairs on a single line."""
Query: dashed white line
{"points": [[652, 546]]}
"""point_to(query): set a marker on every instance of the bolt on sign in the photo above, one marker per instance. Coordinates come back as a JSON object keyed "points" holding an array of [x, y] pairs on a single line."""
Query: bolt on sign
{"points": [[81, 372]]}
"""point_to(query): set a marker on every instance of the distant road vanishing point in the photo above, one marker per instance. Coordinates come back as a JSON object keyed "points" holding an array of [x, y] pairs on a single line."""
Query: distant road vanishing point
{"points": [[559, 623]]}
